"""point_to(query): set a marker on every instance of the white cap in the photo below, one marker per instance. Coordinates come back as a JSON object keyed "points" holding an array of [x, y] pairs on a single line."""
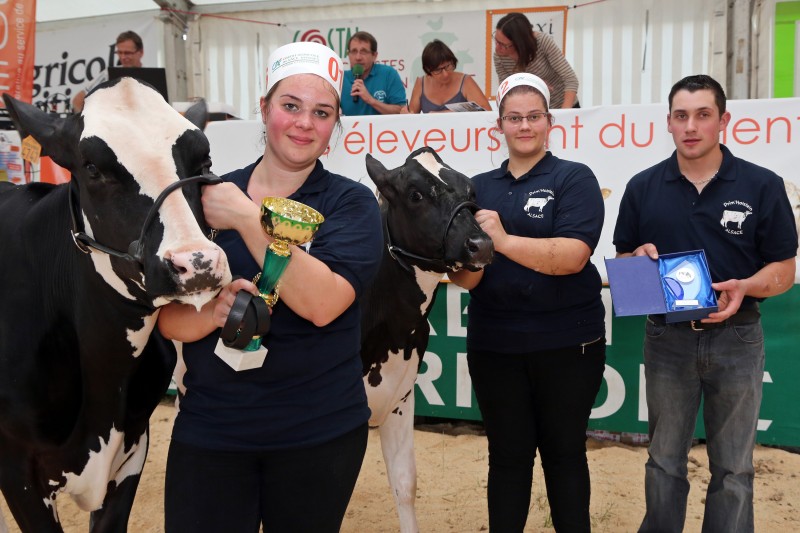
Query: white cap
{"points": [[305, 58], [523, 78]]}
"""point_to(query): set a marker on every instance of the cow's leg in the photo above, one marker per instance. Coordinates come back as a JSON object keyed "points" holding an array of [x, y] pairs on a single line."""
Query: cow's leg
{"points": [[113, 516], [28, 506], [397, 444]]}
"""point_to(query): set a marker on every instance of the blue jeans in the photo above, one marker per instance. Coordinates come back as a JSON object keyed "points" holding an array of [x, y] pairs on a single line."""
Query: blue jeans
{"points": [[725, 368]]}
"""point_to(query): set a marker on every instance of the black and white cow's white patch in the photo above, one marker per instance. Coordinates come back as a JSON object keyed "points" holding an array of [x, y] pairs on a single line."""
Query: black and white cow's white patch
{"points": [[80, 372], [429, 229]]}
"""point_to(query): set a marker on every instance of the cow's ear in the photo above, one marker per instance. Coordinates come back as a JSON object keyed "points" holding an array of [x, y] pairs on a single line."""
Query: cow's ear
{"points": [[197, 114], [46, 128], [381, 177]]}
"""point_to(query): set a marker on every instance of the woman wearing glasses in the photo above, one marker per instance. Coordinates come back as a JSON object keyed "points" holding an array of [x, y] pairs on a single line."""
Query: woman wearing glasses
{"points": [[536, 332], [517, 48], [442, 85]]}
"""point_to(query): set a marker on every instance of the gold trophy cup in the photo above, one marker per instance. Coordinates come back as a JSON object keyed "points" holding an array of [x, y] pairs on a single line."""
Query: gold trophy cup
{"points": [[288, 222]]}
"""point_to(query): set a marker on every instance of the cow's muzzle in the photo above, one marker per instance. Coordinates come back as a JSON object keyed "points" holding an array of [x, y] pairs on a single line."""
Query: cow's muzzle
{"points": [[439, 263]]}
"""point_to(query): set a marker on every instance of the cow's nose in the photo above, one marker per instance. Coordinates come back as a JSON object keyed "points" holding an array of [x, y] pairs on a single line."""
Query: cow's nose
{"points": [[190, 263], [480, 249]]}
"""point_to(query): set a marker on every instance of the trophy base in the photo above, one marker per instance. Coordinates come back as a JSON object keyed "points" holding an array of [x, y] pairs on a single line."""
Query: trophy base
{"points": [[240, 359]]}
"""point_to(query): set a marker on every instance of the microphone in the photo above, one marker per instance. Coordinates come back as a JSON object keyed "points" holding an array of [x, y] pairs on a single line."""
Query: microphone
{"points": [[358, 71]]}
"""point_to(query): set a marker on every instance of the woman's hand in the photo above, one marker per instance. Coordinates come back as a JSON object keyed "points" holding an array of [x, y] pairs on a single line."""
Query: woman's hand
{"points": [[224, 300], [489, 222], [225, 206]]}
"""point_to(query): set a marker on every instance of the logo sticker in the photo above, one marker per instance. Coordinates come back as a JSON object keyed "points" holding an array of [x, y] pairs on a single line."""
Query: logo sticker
{"points": [[734, 214], [537, 200]]}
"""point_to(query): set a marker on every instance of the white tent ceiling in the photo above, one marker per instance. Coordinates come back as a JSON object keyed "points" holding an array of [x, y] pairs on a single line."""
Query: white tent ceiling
{"points": [[51, 10]]}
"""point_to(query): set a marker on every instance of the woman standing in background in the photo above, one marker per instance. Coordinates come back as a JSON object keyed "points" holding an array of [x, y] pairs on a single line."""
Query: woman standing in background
{"points": [[517, 48]]}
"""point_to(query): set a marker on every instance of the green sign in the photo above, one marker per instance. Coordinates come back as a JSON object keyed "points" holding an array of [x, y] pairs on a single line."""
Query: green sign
{"points": [[444, 388]]}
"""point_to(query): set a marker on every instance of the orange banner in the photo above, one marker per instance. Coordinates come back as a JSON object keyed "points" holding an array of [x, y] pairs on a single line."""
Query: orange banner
{"points": [[17, 47]]}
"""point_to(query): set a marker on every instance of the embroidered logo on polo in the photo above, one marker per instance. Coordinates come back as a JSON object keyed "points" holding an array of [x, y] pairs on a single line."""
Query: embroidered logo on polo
{"points": [[379, 95], [734, 214], [537, 200]]}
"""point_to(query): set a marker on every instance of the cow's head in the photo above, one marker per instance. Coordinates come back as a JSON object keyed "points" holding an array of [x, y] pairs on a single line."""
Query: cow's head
{"points": [[428, 209], [126, 148]]}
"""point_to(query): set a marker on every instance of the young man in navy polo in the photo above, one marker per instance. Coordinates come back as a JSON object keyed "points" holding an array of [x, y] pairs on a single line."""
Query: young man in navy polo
{"points": [[703, 197]]}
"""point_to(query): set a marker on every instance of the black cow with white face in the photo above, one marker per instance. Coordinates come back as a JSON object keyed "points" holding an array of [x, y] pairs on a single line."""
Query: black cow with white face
{"points": [[427, 210], [84, 268]]}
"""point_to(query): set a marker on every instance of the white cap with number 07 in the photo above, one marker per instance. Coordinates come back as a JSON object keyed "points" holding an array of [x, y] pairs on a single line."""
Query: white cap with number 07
{"points": [[305, 58]]}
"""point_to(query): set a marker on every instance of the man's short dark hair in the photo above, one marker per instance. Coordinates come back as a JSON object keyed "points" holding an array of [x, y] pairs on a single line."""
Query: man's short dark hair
{"points": [[699, 82], [131, 36], [364, 36]]}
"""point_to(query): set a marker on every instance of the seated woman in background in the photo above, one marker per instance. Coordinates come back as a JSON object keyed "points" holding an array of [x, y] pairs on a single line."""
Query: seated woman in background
{"points": [[517, 48], [444, 85]]}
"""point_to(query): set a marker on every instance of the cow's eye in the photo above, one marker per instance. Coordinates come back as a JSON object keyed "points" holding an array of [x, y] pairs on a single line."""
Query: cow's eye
{"points": [[415, 196], [92, 170]]}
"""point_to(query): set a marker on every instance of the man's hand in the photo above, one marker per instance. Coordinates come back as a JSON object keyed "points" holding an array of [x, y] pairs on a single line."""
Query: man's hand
{"points": [[360, 90], [730, 298], [648, 249]]}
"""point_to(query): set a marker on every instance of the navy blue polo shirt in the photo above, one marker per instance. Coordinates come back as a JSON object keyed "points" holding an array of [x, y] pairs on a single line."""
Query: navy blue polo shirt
{"points": [[310, 388], [742, 219], [515, 309]]}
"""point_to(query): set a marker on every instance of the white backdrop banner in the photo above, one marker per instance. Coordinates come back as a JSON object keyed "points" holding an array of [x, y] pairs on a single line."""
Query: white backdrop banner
{"points": [[615, 141]]}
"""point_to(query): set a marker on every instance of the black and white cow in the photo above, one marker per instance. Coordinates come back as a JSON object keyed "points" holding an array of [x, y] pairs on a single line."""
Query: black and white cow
{"points": [[429, 229], [83, 271]]}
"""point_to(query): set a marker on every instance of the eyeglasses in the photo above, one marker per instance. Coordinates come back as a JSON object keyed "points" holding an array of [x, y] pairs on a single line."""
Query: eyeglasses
{"points": [[502, 46], [446, 68], [125, 53], [360, 52], [516, 120]]}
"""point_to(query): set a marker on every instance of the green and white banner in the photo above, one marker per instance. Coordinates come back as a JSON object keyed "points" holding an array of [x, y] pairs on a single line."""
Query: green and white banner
{"points": [[444, 388]]}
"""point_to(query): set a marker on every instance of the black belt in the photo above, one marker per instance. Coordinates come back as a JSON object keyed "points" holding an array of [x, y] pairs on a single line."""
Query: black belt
{"points": [[748, 314]]}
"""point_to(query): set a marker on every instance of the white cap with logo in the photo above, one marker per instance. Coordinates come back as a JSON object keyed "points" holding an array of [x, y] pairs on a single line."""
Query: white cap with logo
{"points": [[523, 78], [305, 58]]}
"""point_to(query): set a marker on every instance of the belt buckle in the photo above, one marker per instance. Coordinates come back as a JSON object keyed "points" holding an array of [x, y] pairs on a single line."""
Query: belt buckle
{"points": [[696, 325]]}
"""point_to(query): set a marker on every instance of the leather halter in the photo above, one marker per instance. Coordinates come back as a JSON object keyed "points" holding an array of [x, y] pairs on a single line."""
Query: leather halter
{"points": [[248, 318], [400, 255], [135, 252]]}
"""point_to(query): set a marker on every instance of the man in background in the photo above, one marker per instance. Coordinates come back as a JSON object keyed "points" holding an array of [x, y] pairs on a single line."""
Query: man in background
{"points": [[374, 89], [129, 50]]}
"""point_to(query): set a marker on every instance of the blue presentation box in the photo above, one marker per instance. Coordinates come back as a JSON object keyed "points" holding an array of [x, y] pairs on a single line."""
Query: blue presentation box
{"points": [[642, 286]]}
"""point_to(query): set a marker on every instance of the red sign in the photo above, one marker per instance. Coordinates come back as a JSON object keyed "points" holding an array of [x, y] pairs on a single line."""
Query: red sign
{"points": [[17, 47]]}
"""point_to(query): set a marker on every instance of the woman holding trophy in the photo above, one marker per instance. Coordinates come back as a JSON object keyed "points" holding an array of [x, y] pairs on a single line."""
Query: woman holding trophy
{"points": [[535, 336], [276, 435]]}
